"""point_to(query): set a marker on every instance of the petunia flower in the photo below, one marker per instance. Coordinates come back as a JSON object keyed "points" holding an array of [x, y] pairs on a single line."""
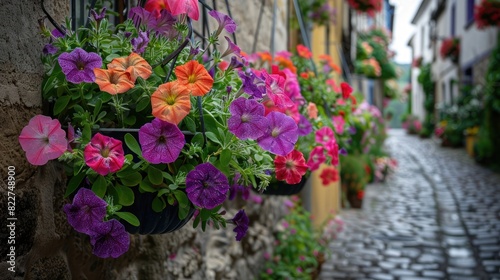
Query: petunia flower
{"points": [[247, 119], [346, 90], [312, 110], [133, 64], [49, 49], [252, 85], [43, 140], [332, 149], [113, 81], [98, 16], [232, 48], [161, 141], [189, 7], [225, 22], [324, 135], [155, 6], [86, 211], [316, 158], [329, 175], [304, 126], [291, 167], [109, 239], [281, 135], [206, 186], [79, 65], [338, 124], [104, 154], [171, 102], [140, 43], [195, 77], [304, 52], [236, 188], [241, 221], [164, 25]]}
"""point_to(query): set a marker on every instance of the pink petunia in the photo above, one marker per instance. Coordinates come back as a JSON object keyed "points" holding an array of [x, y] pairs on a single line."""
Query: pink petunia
{"points": [[332, 149], [338, 123], [104, 154], [189, 7], [42, 140], [324, 135], [316, 158]]}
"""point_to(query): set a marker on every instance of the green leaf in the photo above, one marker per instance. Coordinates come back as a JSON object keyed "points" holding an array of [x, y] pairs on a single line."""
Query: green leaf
{"points": [[125, 195], [132, 179], [99, 186], [225, 156], [155, 175], [86, 134], [142, 104], [191, 126], [158, 204], [258, 157], [212, 137], [182, 198], [183, 212], [132, 144], [146, 186], [97, 108], [111, 56], [130, 120], [61, 103], [162, 191], [129, 217], [205, 214], [160, 71], [168, 177], [198, 139], [74, 183]]}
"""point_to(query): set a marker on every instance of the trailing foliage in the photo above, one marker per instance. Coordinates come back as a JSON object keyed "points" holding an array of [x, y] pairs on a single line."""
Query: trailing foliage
{"points": [[425, 79]]}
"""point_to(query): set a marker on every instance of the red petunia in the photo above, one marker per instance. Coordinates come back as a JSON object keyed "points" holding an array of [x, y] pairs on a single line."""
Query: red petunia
{"points": [[329, 175], [291, 167]]}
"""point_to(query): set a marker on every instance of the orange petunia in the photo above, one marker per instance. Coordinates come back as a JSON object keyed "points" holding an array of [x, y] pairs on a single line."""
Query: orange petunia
{"points": [[304, 51], [133, 64], [195, 77], [113, 81], [171, 102], [286, 63], [312, 110], [265, 56]]}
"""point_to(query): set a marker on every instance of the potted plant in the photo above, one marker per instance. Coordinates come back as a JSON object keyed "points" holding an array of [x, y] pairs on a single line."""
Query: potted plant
{"points": [[369, 7], [487, 14], [450, 48], [149, 126]]}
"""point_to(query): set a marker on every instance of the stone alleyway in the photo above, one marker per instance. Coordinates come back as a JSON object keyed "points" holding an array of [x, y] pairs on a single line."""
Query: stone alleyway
{"points": [[437, 217]]}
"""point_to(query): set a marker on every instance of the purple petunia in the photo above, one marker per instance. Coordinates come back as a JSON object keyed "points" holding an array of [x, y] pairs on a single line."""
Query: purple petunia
{"points": [[140, 43], [87, 211], [352, 130], [98, 16], [225, 22], [206, 186], [164, 25], [304, 126], [281, 135], [247, 119], [236, 188], [109, 239], [79, 65], [232, 48], [241, 221], [49, 49], [56, 33], [161, 141], [252, 85], [343, 152]]}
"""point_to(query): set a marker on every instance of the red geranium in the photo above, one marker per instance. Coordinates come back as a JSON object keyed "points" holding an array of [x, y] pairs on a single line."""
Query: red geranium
{"points": [[487, 14], [366, 6], [450, 48]]}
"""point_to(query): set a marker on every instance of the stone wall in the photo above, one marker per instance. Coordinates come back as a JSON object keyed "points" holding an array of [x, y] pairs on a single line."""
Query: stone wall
{"points": [[46, 246]]}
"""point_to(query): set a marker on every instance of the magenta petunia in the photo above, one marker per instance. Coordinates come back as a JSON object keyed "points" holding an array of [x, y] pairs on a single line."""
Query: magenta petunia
{"points": [[252, 84], [104, 154], [161, 141], [78, 65], [206, 186], [316, 158], [225, 21], [42, 140], [247, 119], [109, 239], [241, 221], [281, 135], [87, 211], [232, 48], [324, 135]]}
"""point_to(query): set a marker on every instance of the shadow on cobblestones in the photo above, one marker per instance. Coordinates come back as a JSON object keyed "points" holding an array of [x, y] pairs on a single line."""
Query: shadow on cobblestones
{"points": [[437, 217]]}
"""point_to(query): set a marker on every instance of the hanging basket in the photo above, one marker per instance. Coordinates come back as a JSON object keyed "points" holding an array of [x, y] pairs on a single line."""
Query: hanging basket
{"points": [[282, 188], [151, 222]]}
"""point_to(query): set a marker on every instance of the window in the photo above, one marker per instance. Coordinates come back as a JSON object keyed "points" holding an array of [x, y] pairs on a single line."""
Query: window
{"points": [[452, 18], [470, 11]]}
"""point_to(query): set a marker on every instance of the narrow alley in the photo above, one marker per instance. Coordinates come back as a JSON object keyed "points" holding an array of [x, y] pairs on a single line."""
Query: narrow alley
{"points": [[437, 217]]}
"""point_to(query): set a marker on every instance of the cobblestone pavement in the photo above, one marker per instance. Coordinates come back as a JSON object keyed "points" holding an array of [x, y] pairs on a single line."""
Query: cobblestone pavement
{"points": [[437, 217]]}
